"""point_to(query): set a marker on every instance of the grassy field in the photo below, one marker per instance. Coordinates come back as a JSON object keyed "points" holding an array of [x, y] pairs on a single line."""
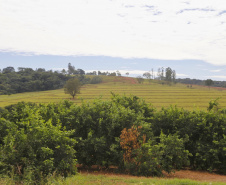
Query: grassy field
{"points": [[156, 93], [86, 179]]}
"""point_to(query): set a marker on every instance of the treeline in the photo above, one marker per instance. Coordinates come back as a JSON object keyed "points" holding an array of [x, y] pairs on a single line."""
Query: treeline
{"points": [[29, 80], [201, 82], [38, 140], [166, 75]]}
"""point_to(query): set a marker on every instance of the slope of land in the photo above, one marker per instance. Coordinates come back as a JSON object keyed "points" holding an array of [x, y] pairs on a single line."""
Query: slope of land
{"points": [[160, 95]]}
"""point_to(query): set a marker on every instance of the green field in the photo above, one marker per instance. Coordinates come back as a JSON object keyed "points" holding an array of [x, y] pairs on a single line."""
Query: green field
{"points": [[156, 93]]}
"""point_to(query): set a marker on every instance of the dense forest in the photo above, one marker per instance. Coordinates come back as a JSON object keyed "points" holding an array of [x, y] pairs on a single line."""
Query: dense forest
{"points": [[29, 80], [38, 140]]}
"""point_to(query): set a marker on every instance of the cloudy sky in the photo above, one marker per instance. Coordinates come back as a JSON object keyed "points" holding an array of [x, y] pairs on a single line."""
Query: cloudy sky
{"points": [[126, 35]]}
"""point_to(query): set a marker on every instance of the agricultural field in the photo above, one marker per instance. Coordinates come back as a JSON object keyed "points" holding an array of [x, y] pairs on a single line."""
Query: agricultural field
{"points": [[158, 94]]}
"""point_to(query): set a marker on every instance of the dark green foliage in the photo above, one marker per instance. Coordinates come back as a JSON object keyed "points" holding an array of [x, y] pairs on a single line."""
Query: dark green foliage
{"points": [[173, 155], [37, 140], [206, 130], [27, 80], [31, 145], [99, 125]]}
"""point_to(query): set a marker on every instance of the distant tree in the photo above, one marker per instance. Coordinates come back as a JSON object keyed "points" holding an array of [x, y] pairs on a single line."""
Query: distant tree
{"points": [[148, 76], [27, 71], [112, 74], [21, 69], [152, 73], [168, 74], [104, 73], [160, 73], [127, 74], [71, 69], [92, 73], [63, 71], [72, 87], [140, 79], [40, 70], [79, 72], [8, 70], [174, 76], [209, 82], [118, 73]]}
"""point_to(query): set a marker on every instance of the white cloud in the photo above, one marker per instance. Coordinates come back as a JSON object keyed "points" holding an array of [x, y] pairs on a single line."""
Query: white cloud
{"points": [[217, 77], [182, 75], [121, 28], [216, 71]]}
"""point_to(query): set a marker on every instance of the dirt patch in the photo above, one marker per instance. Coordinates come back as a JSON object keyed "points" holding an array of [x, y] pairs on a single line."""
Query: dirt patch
{"points": [[182, 174], [124, 79], [197, 175]]}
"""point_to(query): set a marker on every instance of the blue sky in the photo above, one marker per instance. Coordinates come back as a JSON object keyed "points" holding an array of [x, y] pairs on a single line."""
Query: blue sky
{"points": [[135, 66], [126, 35]]}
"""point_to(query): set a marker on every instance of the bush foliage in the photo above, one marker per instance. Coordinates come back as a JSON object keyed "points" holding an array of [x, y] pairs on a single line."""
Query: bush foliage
{"points": [[39, 140]]}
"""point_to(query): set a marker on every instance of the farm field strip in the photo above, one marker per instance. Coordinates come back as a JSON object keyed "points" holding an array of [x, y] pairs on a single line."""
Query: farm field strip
{"points": [[157, 94]]}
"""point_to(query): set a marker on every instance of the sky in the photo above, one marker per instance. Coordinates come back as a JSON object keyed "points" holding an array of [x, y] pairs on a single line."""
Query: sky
{"points": [[127, 35]]}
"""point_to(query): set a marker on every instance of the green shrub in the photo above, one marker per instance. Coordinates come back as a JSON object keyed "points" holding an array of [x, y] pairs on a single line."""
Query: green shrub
{"points": [[35, 148], [206, 132], [151, 158], [37, 140]]}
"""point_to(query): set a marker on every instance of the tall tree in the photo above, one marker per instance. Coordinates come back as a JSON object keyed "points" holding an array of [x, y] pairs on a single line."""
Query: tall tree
{"points": [[71, 69], [148, 76], [168, 74], [72, 87], [160, 73]]}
